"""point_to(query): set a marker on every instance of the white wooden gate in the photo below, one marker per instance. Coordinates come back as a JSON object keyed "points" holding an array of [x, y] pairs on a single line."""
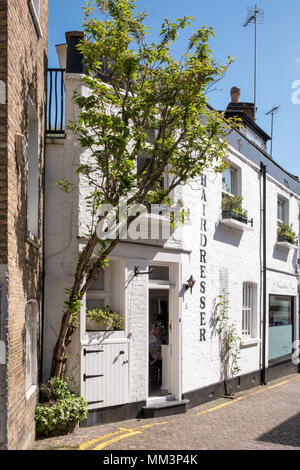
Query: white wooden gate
{"points": [[105, 374]]}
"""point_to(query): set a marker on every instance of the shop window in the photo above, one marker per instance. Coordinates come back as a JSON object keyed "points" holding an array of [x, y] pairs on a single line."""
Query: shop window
{"points": [[31, 321], [280, 326], [248, 311]]}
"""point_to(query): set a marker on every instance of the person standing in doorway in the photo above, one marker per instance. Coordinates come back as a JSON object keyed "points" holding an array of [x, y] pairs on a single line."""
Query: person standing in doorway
{"points": [[155, 348]]}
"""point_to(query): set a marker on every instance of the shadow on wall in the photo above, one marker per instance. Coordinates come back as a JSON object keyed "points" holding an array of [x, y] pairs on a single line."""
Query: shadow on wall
{"points": [[286, 434], [227, 235], [28, 260], [281, 254]]}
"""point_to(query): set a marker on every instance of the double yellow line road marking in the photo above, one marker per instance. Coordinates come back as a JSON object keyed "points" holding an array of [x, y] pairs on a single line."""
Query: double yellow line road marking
{"points": [[123, 433]]}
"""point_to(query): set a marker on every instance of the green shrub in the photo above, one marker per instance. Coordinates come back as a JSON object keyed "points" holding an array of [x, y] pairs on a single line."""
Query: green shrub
{"points": [[59, 409], [55, 389], [287, 231], [110, 319], [233, 203]]}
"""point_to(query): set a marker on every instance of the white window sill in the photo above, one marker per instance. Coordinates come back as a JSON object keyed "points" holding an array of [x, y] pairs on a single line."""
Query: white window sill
{"points": [[248, 342], [286, 245], [35, 18], [30, 391], [236, 224]]}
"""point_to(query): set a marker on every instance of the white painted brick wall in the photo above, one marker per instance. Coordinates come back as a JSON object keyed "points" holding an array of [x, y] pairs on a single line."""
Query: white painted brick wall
{"points": [[227, 249]]}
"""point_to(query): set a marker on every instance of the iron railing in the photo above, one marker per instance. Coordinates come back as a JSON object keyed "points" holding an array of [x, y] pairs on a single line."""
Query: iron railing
{"points": [[55, 102]]}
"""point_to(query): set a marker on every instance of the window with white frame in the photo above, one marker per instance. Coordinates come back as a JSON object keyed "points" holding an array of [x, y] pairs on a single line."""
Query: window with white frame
{"points": [[31, 321], [230, 181], [248, 325], [282, 210], [97, 297]]}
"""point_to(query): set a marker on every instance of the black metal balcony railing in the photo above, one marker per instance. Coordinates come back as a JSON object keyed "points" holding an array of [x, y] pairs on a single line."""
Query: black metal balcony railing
{"points": [[55, 102], [231, 214]]}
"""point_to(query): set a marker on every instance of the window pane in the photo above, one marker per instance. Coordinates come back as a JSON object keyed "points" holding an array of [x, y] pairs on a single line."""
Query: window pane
{"points": [[247, 313], [98, 283], [280, 210], [280, 326], [280, 311], [226, 181], [159, 273], [94, 303], [233, 181], [229, 181]]}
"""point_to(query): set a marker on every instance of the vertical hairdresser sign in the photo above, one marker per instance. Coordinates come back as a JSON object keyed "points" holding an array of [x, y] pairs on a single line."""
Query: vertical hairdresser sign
{"points": [[203, 245]]}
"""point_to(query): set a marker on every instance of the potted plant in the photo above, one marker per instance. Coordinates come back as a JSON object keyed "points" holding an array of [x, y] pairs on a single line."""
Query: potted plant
{"points": [[58, 410], [285, 233], [102, 319], [232, 208]]}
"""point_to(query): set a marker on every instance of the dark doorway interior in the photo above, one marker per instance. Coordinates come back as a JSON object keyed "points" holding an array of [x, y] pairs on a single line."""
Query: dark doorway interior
{"points": [[158, 336]]}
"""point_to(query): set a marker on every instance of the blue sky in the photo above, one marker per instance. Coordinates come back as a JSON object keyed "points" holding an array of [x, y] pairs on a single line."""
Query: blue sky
{"points": [[278, 55]]}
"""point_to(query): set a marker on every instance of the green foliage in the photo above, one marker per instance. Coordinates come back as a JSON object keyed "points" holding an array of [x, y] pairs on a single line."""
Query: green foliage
{"points": [[73, 304], [229, 343], [144, 102], [106, 316], [65, 185], [233, 203], [55, 389], [286, 230], [59, 409]]}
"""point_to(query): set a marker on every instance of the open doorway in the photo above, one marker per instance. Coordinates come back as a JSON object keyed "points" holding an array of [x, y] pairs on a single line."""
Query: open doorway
{"points": [[159, 362]]}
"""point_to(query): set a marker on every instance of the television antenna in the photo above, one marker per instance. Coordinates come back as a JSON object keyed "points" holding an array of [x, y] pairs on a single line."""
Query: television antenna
{"points": [[272, 112], [256, 16]]}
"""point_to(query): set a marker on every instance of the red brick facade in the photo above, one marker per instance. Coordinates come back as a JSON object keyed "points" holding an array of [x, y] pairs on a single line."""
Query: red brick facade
{"points": [[23, 66]]}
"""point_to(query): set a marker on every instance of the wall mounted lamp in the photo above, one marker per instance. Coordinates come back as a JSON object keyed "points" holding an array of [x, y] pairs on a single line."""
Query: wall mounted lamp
{"points": [[137, 271], [190, 284]]}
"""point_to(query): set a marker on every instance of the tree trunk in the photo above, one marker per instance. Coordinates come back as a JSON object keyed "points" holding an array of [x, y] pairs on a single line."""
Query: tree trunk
{"points": [[60, 351]]}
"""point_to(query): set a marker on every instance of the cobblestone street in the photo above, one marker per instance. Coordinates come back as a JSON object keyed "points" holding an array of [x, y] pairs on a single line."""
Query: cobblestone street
{"points": [[266, 417]]}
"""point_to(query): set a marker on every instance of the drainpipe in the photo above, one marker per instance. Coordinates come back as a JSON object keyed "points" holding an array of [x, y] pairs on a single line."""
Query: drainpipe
{"points": [[264, 274]]}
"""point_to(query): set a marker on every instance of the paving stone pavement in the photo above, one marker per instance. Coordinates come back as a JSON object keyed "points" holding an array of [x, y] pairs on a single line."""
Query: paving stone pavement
{"points": [[265, 417]]}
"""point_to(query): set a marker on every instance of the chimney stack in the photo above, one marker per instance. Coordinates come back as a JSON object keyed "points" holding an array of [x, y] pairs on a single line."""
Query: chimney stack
{"points": [[74, 57], [235, 93], [240, 107]]}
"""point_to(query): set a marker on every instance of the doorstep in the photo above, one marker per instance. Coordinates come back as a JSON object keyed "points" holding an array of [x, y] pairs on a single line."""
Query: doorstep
{"points": [[165, 408]]}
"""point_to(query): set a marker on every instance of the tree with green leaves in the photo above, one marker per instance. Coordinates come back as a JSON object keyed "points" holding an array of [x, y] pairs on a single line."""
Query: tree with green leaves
{"points": [[143, 106]]}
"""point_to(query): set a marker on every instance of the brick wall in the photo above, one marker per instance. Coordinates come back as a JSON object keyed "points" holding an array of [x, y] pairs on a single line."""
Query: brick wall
{"points": [[24, 79], [3, 133]]}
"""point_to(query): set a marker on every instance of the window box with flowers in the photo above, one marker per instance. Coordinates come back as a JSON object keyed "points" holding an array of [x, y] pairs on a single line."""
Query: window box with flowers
{"points": [[233, 214], [286, 237]]}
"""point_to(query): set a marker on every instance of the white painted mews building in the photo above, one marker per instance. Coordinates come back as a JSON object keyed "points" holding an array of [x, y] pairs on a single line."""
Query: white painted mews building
{"points": [[243, 257]]}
